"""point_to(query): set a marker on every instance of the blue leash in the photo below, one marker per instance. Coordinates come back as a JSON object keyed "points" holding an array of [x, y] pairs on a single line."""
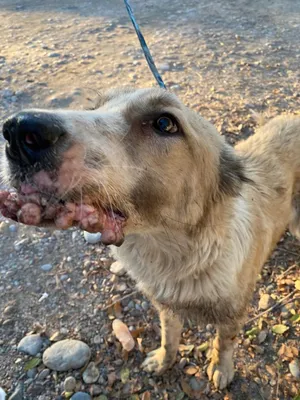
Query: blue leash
{"points": [[145, 47]]}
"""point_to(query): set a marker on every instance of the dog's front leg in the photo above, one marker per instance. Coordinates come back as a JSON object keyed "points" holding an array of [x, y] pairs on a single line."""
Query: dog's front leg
{"points": [[221, 368], [158, 361]]}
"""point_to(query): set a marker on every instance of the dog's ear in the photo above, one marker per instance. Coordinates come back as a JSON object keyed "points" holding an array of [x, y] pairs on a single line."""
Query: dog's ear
{"points": [[231, 173]]}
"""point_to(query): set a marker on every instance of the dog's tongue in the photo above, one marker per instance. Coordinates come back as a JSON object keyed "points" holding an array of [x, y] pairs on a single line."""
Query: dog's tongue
{"points": [[31, 209]]}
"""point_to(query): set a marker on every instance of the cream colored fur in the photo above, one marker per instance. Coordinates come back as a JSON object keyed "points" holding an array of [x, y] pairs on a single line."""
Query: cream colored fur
{"points": [[202, 218]]}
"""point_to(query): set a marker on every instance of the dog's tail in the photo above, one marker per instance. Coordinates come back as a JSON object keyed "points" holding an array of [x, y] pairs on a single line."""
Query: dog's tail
{"points": [[282, 133], [282, 136], [288, 137]]}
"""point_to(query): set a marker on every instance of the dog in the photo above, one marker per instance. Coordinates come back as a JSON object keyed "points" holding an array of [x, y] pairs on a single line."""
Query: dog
{"points": [[192, 219]]}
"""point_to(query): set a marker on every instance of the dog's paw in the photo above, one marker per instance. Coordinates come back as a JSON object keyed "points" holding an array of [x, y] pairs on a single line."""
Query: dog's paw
{"points": [[220, 374], [158, 361]]}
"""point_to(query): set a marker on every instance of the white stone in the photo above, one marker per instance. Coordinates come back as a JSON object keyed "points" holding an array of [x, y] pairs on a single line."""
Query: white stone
{"points": [[2, 394], [92, 238], [67, 354], [117, 268]]}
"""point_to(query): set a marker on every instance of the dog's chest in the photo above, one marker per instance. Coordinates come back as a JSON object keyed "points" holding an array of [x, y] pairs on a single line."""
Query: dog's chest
{"points": [[192, 283]]}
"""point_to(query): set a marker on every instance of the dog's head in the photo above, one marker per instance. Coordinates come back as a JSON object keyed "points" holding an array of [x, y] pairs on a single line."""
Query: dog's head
{"points": [[139, 161]]}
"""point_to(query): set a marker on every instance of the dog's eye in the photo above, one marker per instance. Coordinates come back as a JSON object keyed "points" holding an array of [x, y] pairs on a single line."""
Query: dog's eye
{"points": [[165, 124]]}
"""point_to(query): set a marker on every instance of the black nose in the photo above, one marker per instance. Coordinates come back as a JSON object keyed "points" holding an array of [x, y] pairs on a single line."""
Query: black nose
{"points": [[30, 134]]}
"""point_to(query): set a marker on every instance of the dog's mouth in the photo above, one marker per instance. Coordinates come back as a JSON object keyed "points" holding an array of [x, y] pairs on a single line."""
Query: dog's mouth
{"points": [[32, 205]]}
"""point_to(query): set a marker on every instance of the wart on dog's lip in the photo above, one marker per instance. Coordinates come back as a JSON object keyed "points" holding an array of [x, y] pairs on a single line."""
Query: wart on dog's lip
{"points": [[32, 208]]}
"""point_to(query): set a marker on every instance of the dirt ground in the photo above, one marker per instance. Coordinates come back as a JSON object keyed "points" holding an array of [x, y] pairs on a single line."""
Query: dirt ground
{"points": [[223, 59]]}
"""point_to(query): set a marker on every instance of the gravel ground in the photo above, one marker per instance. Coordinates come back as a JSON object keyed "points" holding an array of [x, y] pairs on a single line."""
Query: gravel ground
{"points": [[224, 59]]}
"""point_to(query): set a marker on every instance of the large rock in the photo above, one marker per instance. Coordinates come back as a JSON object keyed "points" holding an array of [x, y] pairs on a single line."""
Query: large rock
{"points": [[31, 345], [67, 354]]}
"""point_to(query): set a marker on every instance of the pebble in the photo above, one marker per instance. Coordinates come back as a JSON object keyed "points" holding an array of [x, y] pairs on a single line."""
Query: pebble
{"points": [[7, 92], [13, 228], [67, 354], [285, 312], [91, 374], [97, 339], [145, 305], [262, 336], [74, 236], [117, 268], [20, 244], [32, 373], [95, 390], [131, 304], [70, 384], [92, 238], [35, 389], [294, 368], [9, 310], [182, 363], [3, 227], [46, 267], [196, 384], [43, 374], [81, 396], [102, 380], [31, 344], [121, 287], [270, 288], [164, 67], [265, 302], [2, 394], [54, 54], [18, 393]]}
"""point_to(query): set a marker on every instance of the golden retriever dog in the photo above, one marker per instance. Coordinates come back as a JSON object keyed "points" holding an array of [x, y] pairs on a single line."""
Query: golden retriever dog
{"points": [[192, 219]]}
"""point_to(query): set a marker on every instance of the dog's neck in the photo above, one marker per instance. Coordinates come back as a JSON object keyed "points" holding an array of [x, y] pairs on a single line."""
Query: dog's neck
{"points": [[158, 259]]}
